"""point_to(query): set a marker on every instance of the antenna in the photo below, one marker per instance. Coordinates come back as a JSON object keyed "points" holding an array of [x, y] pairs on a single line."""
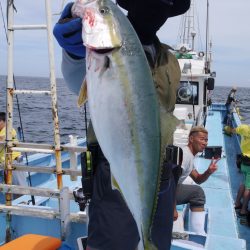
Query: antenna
{"points": [[193, 34], [188, 33], [207, 62]]}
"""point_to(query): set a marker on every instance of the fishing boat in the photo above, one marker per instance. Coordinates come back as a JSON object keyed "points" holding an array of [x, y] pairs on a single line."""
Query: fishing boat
{"points": [[194, 107], [48, 210], [45, 214]]}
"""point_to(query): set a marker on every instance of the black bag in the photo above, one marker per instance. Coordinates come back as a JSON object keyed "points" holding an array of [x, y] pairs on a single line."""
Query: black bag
{"points": [[172, 163], [245, 160], [213, 151], [238, 160], [248, 219]]}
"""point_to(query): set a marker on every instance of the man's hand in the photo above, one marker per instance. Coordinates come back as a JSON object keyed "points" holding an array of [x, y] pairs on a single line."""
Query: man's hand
{"points": [[213, 166], [228, 130], [68, 33], [175, 214], [2, 138]]}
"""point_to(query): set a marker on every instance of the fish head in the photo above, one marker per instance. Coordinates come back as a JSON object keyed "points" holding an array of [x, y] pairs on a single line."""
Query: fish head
{"points": [[100, 28]]}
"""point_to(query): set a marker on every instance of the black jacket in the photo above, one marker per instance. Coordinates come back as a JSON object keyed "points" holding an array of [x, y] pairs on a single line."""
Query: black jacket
{"points": [[111, 224]]}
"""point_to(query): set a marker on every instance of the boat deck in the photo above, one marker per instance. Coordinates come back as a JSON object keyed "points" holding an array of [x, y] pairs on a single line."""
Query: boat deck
{"points": [[224, 230], [223, 227], [232, 148]]}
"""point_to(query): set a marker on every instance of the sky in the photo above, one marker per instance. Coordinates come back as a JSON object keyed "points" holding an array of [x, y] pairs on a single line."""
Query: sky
{"points": [[228, 25]]}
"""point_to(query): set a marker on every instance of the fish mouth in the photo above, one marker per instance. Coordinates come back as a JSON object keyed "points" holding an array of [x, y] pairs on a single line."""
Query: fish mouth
{"points": [[103, 50]]}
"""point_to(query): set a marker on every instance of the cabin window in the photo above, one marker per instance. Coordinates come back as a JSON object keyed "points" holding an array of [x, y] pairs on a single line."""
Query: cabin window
{"points": [[187, 93]]}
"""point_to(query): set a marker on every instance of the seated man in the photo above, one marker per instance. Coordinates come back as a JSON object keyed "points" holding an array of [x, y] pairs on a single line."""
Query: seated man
{"points": [[189, 193], [19, 178]]}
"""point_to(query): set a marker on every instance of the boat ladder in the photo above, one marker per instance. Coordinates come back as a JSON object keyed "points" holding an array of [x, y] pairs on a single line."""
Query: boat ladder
{"points": [[62, 193]]}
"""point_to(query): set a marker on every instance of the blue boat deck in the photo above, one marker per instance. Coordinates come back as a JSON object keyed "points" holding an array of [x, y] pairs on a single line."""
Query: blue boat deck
{"points": [[224, 229]]}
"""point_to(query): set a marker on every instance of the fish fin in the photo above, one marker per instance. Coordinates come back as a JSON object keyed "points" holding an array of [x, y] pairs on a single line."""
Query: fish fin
{"points": [[168, 126], [114, 183], [82, 97], [146, 244]]}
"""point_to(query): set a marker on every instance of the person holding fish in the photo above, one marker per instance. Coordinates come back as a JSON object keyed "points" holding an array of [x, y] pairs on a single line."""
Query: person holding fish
{"points": [[114, 58]]}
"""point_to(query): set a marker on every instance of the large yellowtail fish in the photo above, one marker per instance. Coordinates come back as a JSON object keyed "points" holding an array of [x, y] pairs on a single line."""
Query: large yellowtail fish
{"points": [[123, 107]]}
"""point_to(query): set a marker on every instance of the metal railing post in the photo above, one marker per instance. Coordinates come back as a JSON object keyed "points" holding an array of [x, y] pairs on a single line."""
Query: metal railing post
{"points": [[9, 120], [54, 96]]}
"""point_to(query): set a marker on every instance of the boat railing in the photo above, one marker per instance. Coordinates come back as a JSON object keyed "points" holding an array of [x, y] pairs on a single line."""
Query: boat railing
{"points": [[63, 213], [43, 169], [63, 194], [11, 91]]}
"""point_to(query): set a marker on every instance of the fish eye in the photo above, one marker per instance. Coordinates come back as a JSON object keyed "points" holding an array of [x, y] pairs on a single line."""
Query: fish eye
{"points": [[104, 10]]}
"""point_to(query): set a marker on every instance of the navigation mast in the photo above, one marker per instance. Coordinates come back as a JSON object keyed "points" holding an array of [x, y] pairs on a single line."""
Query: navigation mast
{"points": [[187, 30]]}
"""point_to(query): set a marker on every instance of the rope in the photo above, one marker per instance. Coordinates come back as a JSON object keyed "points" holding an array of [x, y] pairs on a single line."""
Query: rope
{"points": [[5, 29], [193, 98], [85, 119], [23, 139]]}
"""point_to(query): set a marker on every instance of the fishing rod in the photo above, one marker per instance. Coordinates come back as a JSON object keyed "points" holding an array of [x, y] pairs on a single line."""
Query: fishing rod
{"points": [[23, 140]]}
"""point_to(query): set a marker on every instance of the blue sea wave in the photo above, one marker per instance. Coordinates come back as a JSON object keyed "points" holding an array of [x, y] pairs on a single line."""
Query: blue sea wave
{"points": [[242, 95], [36, 112]]}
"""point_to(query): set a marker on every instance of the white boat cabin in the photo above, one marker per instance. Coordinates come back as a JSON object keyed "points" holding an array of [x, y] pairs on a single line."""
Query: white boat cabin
{"points": [[192, 94]]}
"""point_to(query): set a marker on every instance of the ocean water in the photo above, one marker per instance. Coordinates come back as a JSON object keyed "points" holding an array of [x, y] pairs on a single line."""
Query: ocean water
{"points": [[242, 95], [36, 112]]}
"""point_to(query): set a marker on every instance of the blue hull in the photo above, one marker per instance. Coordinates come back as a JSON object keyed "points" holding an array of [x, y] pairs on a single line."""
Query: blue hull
{"points": [[223, 228]]}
